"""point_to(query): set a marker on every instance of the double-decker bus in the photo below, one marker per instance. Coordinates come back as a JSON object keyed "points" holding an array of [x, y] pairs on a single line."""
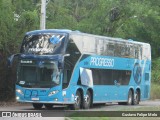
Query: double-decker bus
{"points": [[64, 67]]}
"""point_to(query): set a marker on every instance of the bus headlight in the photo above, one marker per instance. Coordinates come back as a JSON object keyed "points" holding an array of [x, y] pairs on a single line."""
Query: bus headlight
{"points": [[53, 92], [19, 91]]}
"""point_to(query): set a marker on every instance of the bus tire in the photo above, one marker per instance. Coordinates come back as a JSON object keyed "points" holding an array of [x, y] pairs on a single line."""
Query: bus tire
{"points": [[136, 98], [78, 101], [48, 106], [130, 98], [37, 105], [87, 100]]}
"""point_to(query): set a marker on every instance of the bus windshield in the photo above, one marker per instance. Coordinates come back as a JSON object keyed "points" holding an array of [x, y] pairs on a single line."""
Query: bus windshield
{"points": [[42, 44], [44, 75]]}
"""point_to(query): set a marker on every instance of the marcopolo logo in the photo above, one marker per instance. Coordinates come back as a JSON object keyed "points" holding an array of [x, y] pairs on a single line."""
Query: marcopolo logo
{"points": [[137, 73]]}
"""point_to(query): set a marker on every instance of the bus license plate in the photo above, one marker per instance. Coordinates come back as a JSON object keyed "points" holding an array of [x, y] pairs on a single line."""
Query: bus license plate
{"points": [[35, 98]]}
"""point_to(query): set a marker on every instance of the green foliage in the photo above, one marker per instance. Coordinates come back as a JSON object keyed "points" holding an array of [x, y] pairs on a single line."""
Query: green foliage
{"points": [[155, 88], [156, 71], [15, 20], [155, 79], [137, 20], [6, 23]]}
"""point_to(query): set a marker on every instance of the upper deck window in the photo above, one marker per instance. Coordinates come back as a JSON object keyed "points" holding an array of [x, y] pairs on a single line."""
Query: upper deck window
{"points": [[110, 49], [43, 44]]}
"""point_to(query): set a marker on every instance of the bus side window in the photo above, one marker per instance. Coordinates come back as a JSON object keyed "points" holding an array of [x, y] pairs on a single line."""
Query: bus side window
{"points": [[115, 77], [110, 50], [127, 51], [132, 52], [146, 76], [118, 50], [122, 51], [96, 76], [105, 48], [136, 53], [100, 47], [140, 52]]}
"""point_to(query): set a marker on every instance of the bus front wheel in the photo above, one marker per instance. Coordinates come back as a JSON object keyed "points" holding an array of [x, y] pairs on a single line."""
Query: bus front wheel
{"points": [[87, 100], [37, 105]]}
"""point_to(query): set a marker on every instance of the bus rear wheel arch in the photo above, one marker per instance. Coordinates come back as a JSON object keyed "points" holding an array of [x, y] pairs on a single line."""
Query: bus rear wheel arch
{"points": [[133, 98]]}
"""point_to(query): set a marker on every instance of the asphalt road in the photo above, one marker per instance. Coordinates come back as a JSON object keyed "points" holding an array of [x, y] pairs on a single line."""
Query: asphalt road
{"points": [[58, 111]]}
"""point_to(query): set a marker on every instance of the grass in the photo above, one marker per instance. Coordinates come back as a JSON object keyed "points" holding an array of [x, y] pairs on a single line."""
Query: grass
{"points": [[87, 118], [152, 108], [113, 118], [155, 88]]}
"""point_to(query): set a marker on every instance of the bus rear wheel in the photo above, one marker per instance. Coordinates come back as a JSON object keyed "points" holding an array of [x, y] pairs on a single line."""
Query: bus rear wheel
{"points": [[37, 105], [136, 98], [87, 100], [130, 98], [78, 101]]}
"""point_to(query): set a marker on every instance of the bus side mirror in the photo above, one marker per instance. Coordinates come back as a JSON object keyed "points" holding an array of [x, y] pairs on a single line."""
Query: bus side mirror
{"points": [[10, 59]]}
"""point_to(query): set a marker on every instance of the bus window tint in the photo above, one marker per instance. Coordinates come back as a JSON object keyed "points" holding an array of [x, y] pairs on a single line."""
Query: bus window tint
{"points": [[108, 76], [117, 50], [66, 78], [110, 49]]}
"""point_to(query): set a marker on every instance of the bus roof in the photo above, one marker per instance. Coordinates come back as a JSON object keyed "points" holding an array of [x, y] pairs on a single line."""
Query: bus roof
{"points": [[78, 33], [49, 31], [96, 44], [102, 45], [75, 33]]}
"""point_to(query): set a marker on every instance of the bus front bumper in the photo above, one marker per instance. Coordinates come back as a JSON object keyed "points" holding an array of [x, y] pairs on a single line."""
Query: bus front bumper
{"points": [[47, 102]]}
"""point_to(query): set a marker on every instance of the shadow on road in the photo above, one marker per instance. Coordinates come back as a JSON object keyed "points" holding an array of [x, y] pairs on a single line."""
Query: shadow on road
{"points": [[64, 108]]}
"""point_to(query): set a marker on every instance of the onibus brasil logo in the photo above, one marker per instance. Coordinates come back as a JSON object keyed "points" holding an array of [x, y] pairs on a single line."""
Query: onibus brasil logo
{"points": [[137, 73]]}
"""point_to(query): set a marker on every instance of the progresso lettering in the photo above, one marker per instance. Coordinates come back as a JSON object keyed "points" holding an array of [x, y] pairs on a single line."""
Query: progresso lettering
{"points": [[98, 61]]}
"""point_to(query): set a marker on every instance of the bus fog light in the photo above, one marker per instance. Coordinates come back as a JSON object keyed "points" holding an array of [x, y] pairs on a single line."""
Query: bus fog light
{"points": [[53, 92], [17, 98], [56, 99]]}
